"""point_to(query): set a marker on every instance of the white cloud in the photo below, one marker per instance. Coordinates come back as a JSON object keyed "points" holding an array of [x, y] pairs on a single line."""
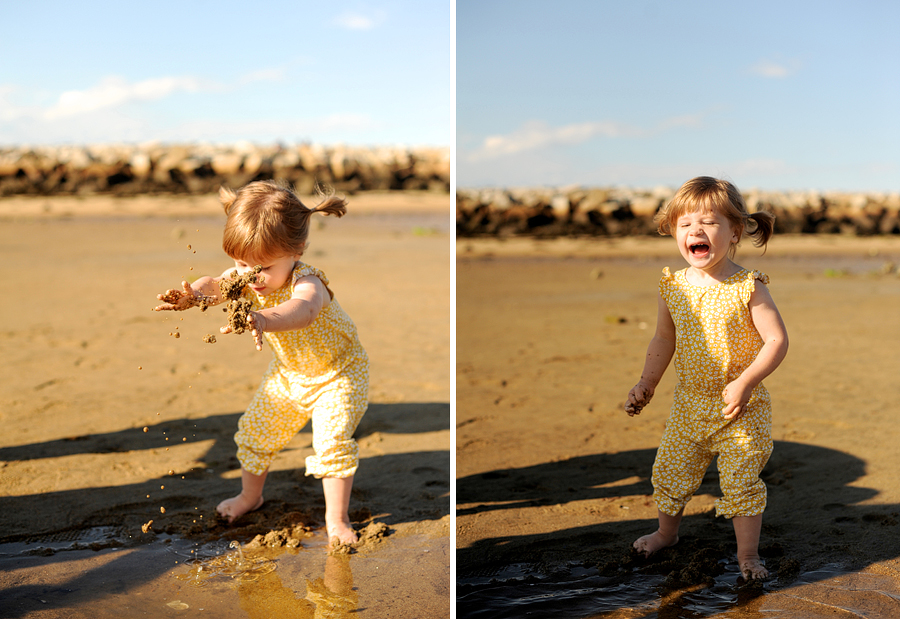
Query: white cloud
{"points": [[537, 134], [775, 70], [692, 121], [263, 75], [355, 20], [117, 125], [114, 91]]}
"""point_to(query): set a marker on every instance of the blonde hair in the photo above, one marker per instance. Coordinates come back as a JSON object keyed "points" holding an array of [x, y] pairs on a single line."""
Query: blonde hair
{"points": [[705, 193], [267, 220]]}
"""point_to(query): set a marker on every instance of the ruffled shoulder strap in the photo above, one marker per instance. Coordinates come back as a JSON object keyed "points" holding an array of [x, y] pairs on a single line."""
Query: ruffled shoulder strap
{"points": [[758, 275], [665, 283], [304, 270], [748, 283]]}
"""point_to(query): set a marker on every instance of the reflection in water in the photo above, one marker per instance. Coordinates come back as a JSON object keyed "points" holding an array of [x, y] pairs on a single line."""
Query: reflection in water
{"points": [[333, 595], [582, 592], [330, 597], [262, 593]]}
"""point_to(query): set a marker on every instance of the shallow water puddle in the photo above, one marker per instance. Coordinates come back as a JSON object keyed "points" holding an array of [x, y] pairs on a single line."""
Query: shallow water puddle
{"points": [[96, 574], [522, 591]]}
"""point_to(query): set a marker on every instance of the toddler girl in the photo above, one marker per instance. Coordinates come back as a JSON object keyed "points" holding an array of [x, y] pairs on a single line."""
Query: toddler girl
{"points": [[719, 321], [319, 370]]}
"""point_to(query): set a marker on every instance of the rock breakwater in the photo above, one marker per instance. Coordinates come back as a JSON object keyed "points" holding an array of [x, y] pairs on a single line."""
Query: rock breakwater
{"points": [[201, 168], [625, 212]]}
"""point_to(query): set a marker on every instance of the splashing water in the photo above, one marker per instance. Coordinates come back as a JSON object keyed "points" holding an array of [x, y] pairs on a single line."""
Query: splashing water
{"points": [[233, 564]]}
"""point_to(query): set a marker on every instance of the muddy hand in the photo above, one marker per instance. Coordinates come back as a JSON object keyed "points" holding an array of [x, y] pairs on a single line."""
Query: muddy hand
{"points": [[736, 398], [257, 328], [177, 300], [638, 398]]}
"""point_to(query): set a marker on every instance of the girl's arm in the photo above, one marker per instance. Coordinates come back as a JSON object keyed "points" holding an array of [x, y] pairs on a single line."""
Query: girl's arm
{"points": [[771, 328], [309, 297], [204, 289], [659, 354]]}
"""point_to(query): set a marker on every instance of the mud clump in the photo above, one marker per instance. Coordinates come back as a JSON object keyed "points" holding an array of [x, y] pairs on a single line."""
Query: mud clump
{"points": [[702, 568], [370, 536], [171, 296], [689, 563], [237, 306], [201, 301], [209, 339], [336, 547], [788, 570], [287, 537], [374, 533]]}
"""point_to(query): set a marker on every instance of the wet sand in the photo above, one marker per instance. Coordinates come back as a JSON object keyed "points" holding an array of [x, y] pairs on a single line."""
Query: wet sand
{"points": [[553, 477], [109, 420]]}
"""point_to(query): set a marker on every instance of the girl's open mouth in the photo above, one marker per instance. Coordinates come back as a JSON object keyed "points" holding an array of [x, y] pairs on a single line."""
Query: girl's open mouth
{"points": [[698, 249]]}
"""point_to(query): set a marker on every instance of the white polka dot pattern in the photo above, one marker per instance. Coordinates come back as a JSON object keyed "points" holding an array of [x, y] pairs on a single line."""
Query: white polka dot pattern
{"points": [[320, 372], [715, 342]]}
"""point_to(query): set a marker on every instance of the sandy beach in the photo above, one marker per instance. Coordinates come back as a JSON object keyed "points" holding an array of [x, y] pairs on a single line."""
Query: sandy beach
{"points": [[553, 478], [111, 422]]}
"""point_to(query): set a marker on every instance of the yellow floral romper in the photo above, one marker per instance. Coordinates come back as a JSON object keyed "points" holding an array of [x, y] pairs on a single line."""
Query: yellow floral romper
{"points": [[715, 342], [319, 372]]}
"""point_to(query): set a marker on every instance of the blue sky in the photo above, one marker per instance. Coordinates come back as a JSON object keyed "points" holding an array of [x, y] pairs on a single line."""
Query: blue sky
{"points": [[776, 95], [358, 73]]}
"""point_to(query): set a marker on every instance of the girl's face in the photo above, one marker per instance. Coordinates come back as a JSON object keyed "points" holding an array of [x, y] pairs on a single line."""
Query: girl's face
{"points": [[275, 272], [704, 239]]}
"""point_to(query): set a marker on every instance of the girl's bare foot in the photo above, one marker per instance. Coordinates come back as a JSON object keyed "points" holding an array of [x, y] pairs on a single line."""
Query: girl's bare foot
{"points": [[649, 544], [340, 532], [753, 569], [236, 507]]}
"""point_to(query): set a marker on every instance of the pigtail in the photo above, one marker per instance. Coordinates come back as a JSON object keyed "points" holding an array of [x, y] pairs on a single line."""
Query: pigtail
{"points": [[765, 227], [331, 206], [227, 197]]}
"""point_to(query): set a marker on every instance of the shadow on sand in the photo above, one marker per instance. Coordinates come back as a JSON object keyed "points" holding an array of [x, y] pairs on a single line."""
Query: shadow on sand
{"points": [[799, 534], [291, 498]]}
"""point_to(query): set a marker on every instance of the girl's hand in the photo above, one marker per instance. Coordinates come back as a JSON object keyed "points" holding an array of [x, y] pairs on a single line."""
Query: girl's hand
{"points": [[736, 395], [178, 300], [638, 398], [257, 328]]}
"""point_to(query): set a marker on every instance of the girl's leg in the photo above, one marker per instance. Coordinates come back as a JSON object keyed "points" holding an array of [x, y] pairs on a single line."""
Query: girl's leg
{"points": [[744, 451], [337, 506], [746, 530], [337, 411], [677, 473], [666, 535], [248, 500]]}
